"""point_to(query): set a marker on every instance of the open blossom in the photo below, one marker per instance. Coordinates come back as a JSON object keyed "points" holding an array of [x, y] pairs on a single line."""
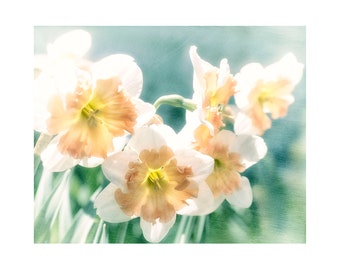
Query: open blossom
{"points": [[89, 108], [153, 178], [262, 91], [213, 88], [232, 155]]}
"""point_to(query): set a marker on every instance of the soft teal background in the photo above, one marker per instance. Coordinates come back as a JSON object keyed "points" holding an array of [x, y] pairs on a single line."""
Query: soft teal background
{"points": [[278, 212]]}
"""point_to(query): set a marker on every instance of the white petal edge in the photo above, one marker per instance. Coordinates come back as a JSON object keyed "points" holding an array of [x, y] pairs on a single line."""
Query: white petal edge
{"points": [[224, 72], [287, 67], [244, 125], [251, 148], [201, 165], [55, 161], [107, 207], [242, 197], [116, 166], [152, 137], [122, 66], [156, 232], [91, 162], [246, 80], [204, 204], [145, 112], [73, 43]]}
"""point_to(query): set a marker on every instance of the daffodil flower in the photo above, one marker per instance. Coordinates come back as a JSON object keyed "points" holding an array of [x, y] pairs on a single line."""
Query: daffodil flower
{"points": [[153, 178], [213, 88], [261, 91], [55, 71], [88, 108], [232, 155]]}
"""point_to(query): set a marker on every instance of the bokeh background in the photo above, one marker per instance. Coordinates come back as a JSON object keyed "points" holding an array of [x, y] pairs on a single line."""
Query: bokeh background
{"points": [[278, 212]]}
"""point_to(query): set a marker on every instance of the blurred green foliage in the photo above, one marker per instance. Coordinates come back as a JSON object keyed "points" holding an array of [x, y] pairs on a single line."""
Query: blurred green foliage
{"points": [[278, 212]]}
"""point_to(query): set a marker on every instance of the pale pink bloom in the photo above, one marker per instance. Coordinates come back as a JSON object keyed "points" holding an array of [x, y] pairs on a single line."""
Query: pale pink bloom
{"points": [[213, 87], [154, 178], [261, 91], [232, 155], [89, 108]]}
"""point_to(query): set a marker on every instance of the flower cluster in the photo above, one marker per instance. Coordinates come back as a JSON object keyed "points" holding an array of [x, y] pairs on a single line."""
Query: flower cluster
{"points": [[90, 114]]}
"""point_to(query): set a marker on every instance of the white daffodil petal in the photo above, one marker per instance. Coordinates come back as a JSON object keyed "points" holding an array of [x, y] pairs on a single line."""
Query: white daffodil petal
{"points": [[156, 232], [91, 162], [201, 67], [116, 166], [204, 204], [132, 80], [122, 66], [225, 137], [107, 207], [55, 161], [145, 112], [246, 80], [251, 148], [243, 124], [242, 197], [201, 165], [224, 72], [152, 137], [71, 44], [288, 68]]}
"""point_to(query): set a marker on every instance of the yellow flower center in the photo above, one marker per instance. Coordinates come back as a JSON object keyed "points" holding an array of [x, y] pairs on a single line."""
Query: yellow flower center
{"points": [[90, 118], [156, 188], [91, 115]]}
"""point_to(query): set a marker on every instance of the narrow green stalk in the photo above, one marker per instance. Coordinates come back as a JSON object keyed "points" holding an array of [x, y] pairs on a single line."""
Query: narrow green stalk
{"points": [[99, 231], [122, 232], [201, 223], [188, 229], [176, 101], [180, 230]]}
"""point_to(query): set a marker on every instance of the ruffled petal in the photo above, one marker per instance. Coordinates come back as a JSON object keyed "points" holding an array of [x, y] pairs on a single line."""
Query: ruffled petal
{"points": [[156, 232], [116, 166], [242, 197], [107, 207], [55, 161], [200, 164], [123, 67], [251, 148]]}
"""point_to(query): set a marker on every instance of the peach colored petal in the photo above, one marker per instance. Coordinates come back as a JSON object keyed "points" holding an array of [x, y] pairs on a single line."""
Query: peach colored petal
{"points": [[227, 168], [91, 118], [156, 192]]}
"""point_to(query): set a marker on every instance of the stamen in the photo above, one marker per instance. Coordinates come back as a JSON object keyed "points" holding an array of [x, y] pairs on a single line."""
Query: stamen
{"points": [[155, 178]]}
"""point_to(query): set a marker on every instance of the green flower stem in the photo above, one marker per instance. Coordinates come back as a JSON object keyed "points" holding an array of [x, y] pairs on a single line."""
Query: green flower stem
{"points": [[122, 232], [176, 101], [180, 230], [188, 229], [99, 231], [201, 223]]}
